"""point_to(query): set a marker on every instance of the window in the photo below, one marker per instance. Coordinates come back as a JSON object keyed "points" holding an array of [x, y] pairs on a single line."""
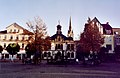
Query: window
{"points": [[11, 37], [29, 38], [4, 45], [17, 38], [72, 46], [68, 54], [72, 55], [58, 46], [23, 38], [61, 47], [22, 45], [109, 47], [55, 46], [14, 30], [49, 54], [10, 30], [5, 37], [45, 54], [18, 30], [6, 55], [68, 47]]}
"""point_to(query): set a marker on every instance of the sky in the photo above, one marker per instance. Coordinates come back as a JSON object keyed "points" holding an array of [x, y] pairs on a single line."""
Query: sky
{"points": [[51, 11]]}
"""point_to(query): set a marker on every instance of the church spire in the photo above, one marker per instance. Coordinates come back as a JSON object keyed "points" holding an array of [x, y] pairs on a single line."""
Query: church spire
{"points": [[70, 31], [70, 27]]}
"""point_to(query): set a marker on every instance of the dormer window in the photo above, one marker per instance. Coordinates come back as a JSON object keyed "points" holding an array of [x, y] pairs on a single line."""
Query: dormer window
{"points": [[10, 30], [14, 30]]}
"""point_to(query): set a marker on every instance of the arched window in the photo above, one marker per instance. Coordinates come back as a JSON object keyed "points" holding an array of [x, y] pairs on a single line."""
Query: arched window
{"points": [[58, 53], [68, 54], [49, 54], [11, 37], [17, 38], [45, 54], [72, 55], [4, 45], [22, 45]]}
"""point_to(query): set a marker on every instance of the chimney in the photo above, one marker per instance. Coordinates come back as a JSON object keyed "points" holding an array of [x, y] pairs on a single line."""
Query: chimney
{"points": [[107, 23]]}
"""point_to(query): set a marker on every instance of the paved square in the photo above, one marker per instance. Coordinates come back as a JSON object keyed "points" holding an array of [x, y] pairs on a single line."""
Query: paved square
{"points": [[19, 70]]}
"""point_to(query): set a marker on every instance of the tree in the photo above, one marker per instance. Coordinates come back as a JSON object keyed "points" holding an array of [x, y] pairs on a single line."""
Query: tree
{"points": [[46, 43], [30, 49], [91, 38], [41, 39], [13, 48], [1, 49]]}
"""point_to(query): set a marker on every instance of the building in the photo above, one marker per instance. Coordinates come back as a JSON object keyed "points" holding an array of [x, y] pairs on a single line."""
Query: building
{"points": [[14, 33], [106, 31], [116, 37], [62, 45]]}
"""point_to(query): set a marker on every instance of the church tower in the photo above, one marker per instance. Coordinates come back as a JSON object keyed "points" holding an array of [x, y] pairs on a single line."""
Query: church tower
{"points": [[59, 28], [70, 31]]}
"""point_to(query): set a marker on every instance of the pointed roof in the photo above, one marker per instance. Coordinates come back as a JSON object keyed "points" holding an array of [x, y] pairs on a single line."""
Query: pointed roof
{"points": [[70, 27], [107, 29], [95, 19], [16, 25], [25, 31], [70, 31]]}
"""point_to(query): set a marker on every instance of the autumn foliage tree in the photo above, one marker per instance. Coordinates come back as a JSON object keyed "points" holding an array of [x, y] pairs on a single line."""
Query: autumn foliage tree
{"points": [[40, 40], [91, 39]]}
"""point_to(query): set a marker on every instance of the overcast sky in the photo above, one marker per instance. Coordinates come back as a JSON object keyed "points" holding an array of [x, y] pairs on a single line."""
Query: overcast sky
{"points": [[20, 11]]}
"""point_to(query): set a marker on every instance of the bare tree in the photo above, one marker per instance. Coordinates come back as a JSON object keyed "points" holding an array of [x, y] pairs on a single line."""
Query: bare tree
{"points": [[38, 27]]}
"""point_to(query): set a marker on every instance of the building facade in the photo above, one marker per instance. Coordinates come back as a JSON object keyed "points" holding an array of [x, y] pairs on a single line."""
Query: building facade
{"points": [[62, 45], [116, 37], [107, 32], [14, 33]]}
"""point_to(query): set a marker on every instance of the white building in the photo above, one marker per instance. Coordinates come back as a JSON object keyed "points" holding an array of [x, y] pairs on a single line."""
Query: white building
{"points": [[14, 33], [62, 45]]}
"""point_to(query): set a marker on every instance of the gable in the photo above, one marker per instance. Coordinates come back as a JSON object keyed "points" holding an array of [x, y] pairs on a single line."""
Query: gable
{"points": [[14, 28], [107, 29]]}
